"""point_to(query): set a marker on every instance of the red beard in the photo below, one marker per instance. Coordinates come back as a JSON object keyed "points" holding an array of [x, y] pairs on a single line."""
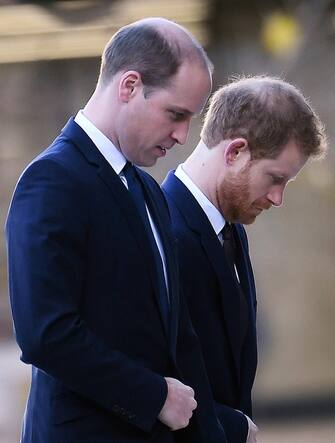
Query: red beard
{"points": [[233, 196]]}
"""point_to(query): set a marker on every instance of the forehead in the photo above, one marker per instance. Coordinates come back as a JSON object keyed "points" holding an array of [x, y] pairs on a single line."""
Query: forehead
{"points": [[189, 88], [288, 163]]}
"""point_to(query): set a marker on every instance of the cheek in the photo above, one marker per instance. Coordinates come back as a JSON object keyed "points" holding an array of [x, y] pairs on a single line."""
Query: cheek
{"points": [[156, 123], [259, 190]]}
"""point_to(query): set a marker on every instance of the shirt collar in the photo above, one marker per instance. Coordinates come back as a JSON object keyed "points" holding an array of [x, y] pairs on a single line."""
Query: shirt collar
{"points": [[213, 214], [107, 148]]}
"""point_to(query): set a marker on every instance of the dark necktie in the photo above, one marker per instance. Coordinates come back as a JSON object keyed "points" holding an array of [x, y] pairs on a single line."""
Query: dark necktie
{"points": [[136, 190], [230, 249], [229, 246]]}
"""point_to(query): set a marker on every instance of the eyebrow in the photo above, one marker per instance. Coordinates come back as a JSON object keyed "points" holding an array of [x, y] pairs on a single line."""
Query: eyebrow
{"points": [[181, 110], [283, 177], [279, 175]]}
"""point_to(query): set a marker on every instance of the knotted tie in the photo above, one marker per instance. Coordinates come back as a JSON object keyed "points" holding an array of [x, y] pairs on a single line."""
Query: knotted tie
{"points": [[230, 249], [135, 188]]}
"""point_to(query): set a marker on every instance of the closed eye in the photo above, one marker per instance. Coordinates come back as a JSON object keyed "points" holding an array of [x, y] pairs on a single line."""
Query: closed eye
{"points": [[277, 179], [177, 116]]}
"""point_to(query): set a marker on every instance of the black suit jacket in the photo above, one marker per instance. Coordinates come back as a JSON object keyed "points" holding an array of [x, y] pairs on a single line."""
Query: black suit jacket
{"points": [[213, 303], [85, 308]]}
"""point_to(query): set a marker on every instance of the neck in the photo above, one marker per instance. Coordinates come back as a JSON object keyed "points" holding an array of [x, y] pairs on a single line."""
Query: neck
{"points": [[102, 113], [201, 166]]}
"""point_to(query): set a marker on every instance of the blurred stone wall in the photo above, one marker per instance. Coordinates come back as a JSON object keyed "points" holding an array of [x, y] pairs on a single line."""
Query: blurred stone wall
{"points": [[35, 101]]}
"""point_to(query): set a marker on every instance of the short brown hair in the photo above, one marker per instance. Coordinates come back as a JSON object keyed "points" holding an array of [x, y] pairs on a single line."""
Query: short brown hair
{"points": [[266, 111], [157, 56]]}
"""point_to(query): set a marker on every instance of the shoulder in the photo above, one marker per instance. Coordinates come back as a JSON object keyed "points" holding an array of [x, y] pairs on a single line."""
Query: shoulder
{"points": [[188, 239], [52, 179], [62, 161]]}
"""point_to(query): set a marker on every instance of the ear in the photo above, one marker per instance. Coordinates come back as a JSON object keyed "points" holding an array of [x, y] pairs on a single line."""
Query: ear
{"points": [[129, 85], [237, 150]]}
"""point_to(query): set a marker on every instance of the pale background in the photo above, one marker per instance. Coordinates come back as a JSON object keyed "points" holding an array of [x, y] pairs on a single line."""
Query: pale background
{"points": [[49, 59]]}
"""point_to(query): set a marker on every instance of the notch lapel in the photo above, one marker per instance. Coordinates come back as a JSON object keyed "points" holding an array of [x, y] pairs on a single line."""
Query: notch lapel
{"points": [[169, 252], [199, 223], [121, 196], [246, 274]]}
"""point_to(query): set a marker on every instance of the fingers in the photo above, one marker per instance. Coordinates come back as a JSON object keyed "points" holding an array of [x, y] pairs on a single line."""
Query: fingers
{"points": [[253, 431], [179, 405], [190, 390]]}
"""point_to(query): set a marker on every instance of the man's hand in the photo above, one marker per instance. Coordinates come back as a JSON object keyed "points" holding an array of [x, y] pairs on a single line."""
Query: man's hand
{"points": [[253, 430], [179, 405]]}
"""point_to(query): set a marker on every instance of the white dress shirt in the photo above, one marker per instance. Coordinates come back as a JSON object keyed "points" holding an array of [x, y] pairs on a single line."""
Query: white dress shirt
{"points": [[117, 161]]}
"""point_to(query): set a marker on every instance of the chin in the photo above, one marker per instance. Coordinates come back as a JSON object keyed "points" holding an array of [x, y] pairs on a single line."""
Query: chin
{"points": [[243, 218], [247, 219], [146, 163], [149, 164]]}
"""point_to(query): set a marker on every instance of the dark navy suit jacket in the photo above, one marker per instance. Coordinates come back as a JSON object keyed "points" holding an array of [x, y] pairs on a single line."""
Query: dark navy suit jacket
{"points": [[84, 299], [213, 302]]}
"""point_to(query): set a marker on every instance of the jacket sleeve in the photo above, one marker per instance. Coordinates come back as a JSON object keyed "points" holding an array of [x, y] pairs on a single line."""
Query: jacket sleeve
{"points": [[191, 364], [46, 230], [234, 422]]}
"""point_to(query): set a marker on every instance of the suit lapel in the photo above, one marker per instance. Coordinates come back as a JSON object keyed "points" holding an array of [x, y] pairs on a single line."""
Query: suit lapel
{"points": [[242, 262], [229, 293], [119, 193], [168, 244], [199, 223], [246, 275]]}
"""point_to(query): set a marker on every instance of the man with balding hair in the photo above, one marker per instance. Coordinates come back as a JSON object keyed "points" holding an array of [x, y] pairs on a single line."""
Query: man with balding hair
{"points": [[93, 277], [257, 135]]}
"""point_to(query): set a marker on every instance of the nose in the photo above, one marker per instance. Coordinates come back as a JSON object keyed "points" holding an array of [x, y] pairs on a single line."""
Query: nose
{"points": [[276, 196], [180, 132]]}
